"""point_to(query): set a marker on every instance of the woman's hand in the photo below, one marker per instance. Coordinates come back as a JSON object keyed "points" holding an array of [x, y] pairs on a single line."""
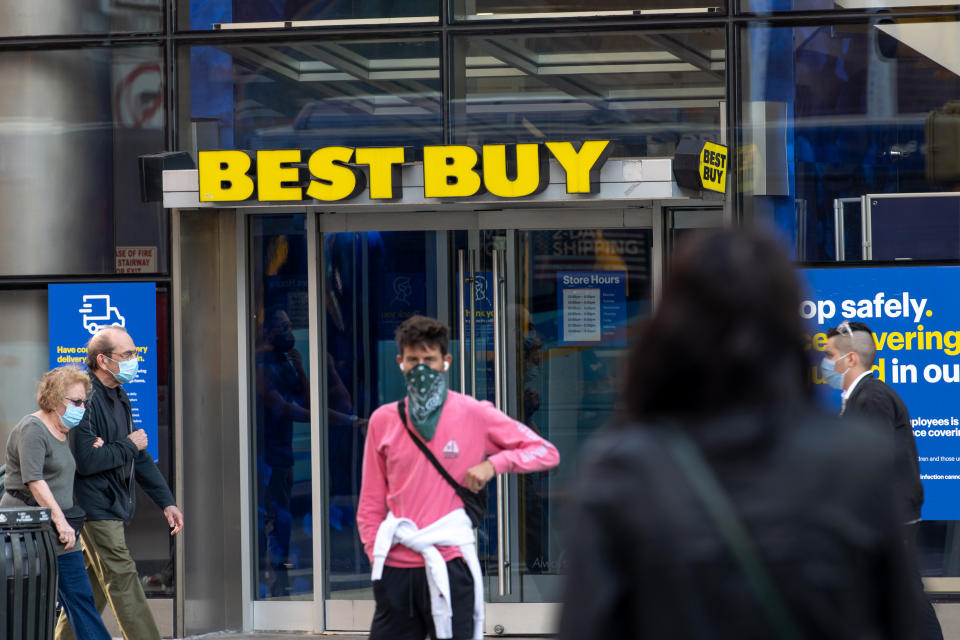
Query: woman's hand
{"points": [[98, 443], [67, 535]]}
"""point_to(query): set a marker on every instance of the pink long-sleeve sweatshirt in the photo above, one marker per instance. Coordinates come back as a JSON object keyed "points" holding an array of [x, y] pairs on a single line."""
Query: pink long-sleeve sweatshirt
{"points": [[398, 477]]}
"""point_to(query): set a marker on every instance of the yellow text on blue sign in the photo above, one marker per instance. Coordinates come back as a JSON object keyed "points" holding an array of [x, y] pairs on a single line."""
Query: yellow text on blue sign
{"points": [[333, 174], [713, 167]]}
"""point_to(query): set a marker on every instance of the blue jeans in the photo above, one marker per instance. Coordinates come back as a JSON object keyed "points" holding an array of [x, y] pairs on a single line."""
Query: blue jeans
{"points": [[76, 596]]}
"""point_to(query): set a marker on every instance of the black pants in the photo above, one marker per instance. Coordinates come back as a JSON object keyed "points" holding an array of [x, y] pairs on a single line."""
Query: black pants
{"points": [[928, 625], [403, 604]]}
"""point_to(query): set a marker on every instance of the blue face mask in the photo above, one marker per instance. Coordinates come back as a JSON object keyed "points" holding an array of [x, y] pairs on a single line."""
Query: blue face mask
{"points": [[72, 416], [829, 372], [128, 370]]}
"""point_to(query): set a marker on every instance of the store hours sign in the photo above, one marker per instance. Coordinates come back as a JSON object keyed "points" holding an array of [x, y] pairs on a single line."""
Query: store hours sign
{"points": [[593, 307]]}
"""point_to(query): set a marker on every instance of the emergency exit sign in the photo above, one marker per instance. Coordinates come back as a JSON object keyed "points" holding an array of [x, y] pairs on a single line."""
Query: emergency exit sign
{"points": [[136, 260]]}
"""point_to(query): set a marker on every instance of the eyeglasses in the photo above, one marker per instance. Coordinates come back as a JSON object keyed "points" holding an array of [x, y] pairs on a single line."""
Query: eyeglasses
{"points": [[126, 355], [78, 402]]}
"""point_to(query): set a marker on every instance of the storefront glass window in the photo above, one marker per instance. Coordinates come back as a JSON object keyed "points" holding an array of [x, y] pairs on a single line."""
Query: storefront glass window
{"points": [[201, 15], [512, 9], [25, 356], [774, 6], [284, 507], [65, 17], [72, 123], [833, 113], [373, 282], [312, 94], [645, 91]]}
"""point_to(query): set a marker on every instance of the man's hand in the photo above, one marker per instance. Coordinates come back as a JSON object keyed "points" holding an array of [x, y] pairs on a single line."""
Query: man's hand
{"points": [[139, 438], [478, 476], [174, 519]]}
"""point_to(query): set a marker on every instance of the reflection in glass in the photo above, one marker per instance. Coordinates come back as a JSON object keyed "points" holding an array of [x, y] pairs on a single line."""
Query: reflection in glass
{"points": [[774, 6], [507, 9], [72, 123], [835, 112], [314, 94], [373, 282], [200, 15], [645, 91], [65, 17], [24, 355], [283, 492], [152, 547], [568, 387]]}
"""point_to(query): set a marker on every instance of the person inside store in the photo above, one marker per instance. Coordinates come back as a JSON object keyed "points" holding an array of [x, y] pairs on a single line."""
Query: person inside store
{"points": [[722, 503], [426, 458], [40, 472], [848, 365], [105, 485]]}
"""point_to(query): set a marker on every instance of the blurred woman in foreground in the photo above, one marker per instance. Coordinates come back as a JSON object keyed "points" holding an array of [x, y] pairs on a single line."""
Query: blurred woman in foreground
{"points": [[723, 505]]}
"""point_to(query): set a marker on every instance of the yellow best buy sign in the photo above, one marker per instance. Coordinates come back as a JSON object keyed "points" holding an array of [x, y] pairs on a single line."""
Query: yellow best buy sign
{"points": [[701, 165], [333, 174], [713, 167]]}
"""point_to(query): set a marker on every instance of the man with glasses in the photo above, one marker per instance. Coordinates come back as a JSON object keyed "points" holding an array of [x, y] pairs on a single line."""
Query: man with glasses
{"points": [[105, 489], [848, 365]]}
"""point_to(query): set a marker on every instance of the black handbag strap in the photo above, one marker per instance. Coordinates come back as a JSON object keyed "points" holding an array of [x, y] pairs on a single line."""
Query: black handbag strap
{"points": [[718, 504], [402, 410]]}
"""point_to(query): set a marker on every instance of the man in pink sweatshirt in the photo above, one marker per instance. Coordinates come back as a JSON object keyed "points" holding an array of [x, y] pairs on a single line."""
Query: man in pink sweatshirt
{"points": [[426, 576]]}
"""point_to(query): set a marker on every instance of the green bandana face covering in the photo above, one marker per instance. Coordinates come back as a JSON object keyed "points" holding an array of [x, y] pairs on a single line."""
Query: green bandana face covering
{"points": [[426, 393]]}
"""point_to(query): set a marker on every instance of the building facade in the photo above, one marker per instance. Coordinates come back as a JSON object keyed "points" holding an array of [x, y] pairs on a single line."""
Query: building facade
{"points": [[275, 310]]}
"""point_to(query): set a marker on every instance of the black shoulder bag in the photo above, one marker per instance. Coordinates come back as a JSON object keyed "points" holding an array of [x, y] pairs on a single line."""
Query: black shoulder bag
{"points": [[718, 504], [475, 504]]}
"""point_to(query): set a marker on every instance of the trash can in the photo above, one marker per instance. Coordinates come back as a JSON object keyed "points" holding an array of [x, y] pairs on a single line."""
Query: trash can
{"points": [[28, 573]]}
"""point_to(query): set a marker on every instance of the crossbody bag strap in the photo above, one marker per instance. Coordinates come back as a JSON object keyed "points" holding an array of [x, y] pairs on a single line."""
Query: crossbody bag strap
{"points": [[718, 504], [401, 409]]}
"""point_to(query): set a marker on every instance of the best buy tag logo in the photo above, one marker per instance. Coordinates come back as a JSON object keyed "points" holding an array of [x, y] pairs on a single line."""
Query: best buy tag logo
{"points": [[713, 167]]}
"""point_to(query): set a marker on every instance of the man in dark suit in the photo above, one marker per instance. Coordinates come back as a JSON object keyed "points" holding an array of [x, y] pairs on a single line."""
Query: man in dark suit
{"points": [[848, 365]]}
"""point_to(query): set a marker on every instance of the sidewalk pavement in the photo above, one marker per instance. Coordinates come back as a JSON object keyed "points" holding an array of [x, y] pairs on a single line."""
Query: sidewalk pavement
{"points": [[303, 636]]}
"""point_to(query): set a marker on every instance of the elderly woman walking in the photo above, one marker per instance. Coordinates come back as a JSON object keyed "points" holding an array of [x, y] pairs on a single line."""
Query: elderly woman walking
{"points": [[40, 470]]}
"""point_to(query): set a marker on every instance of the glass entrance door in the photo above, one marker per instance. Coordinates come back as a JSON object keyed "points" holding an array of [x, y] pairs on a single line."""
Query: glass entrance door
{"points": [[540, 319]]}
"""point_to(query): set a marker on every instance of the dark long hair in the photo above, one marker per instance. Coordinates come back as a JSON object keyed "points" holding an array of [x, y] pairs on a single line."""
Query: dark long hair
{"points": [[727, 334]]}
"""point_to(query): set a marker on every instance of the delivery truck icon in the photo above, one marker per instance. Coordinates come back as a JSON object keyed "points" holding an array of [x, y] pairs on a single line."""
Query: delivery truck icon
{"points": [[99, 313]]}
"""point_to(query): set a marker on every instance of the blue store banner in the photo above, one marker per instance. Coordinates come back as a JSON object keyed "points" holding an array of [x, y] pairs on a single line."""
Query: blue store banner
{"points": [[77, 311], [914, 313], [593, 308]]}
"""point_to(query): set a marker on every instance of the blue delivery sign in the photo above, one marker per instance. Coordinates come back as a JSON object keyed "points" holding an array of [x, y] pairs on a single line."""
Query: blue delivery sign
{"points": [[77, 311], [915, 316]]}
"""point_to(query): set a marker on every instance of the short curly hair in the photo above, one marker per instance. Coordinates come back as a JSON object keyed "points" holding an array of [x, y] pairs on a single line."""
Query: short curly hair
{"points": [[53, 386], [422, 331]]}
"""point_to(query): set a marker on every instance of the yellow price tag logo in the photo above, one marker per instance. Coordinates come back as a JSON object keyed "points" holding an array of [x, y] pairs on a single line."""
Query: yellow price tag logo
{"points": [[713, 167]]}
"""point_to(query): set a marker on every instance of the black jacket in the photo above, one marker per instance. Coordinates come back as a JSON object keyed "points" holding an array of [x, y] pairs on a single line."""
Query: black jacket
{"points": [[877, 403], [647, 561], [104, 484]]}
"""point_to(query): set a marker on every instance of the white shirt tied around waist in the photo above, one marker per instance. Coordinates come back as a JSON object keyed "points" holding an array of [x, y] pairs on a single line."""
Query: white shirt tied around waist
{"points": [[452, 530]]}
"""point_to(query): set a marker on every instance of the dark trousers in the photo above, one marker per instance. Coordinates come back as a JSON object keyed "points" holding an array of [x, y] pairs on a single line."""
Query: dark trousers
{"points": [[76, 596], [403, 604], [113, 577], [928, 625]]}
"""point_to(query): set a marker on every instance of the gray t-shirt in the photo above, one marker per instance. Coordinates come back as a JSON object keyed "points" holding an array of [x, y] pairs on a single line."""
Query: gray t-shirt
{"points": [[33, 453]]}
